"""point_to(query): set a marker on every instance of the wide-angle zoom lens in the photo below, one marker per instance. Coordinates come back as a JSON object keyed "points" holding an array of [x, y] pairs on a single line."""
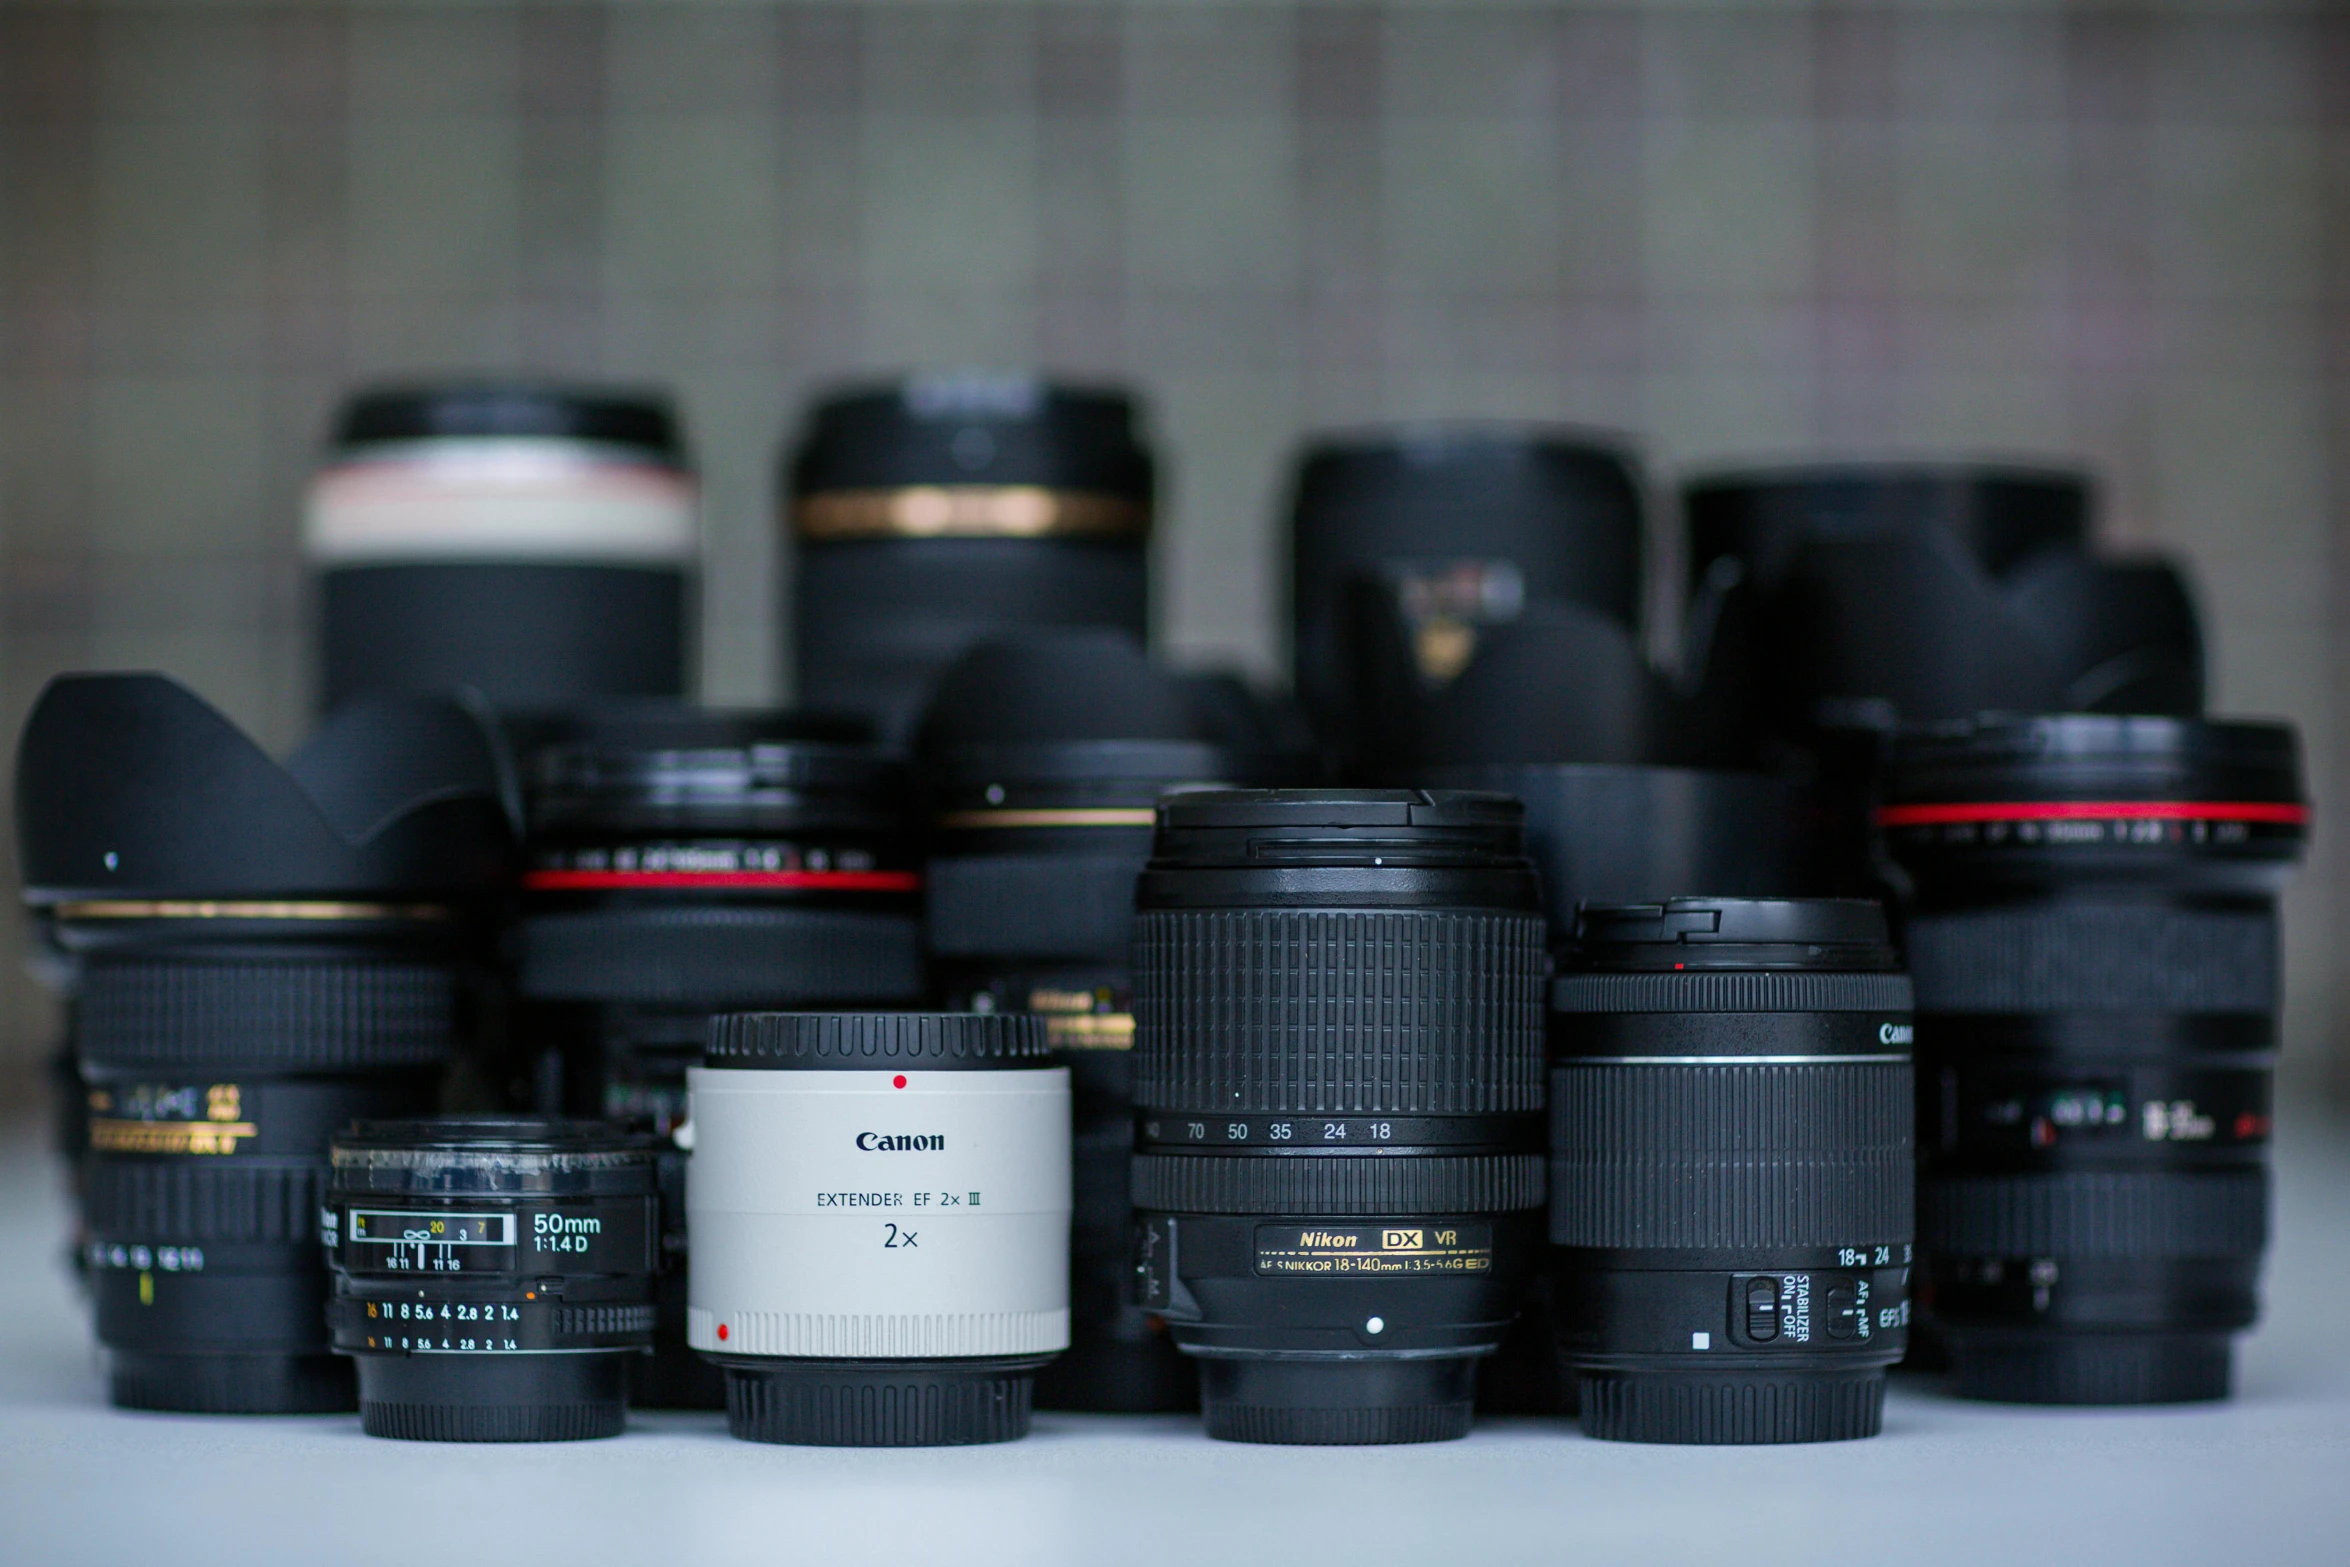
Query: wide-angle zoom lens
{"points": [[1337, 1083], [534, 543], [2095, 943], [880, 1214], [1731, 1186], [493, 1277]]}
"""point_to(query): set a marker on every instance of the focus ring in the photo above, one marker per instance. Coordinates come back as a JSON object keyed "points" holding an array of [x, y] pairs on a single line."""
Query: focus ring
{"points": [[1731, 1156], [601, 1321], [1029, 905], [1211, 1183], [1315, 1012], [1733, 991], [2097, 1214], [711, 957], [175, 1201], [2095, 958], [328, 1017]]}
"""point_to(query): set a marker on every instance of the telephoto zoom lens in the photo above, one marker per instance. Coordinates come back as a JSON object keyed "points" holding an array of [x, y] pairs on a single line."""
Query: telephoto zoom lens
{"points": [[693, 864], [1731, 1178], [534, 543], [265, 954], [1338, 1084], [2095, 941], [493, 1277], [880, 1212], [935, 513]]}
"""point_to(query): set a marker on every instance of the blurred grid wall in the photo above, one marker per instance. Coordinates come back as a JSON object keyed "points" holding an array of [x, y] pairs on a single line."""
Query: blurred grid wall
{"points": [[2027, 231]]}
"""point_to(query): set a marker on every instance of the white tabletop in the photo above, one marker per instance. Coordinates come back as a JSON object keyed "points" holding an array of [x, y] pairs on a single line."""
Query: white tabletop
{"points": [[2263, 1480]]}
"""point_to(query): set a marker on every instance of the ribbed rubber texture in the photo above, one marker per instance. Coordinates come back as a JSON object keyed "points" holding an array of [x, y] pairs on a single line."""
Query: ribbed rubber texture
{"points": [[493, 1422], [598, 1321], [715, 956], [878, 1409], [232, 1384], [1213, 1183], [2094, 1368], [2095, 958], [1732, 991], [2089, 1213], [178, 1200], [1338, 1427], [1722, 1156], [1317, 1012], [852, 1040], [1031, 905], [326, 1017], [1731, 1408]]}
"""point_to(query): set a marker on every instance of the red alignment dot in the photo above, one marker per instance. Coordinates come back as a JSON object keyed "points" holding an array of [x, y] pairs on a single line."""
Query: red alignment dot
{"points": [[722, 1332], [898, 1081]]}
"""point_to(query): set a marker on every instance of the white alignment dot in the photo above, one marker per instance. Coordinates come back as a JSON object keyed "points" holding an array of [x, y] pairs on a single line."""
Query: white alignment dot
{"points": [[1375, 1325], [1701, 1341]]}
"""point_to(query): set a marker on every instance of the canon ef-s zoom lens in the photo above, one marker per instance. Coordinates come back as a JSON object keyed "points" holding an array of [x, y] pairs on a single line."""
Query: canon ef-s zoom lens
{"points": [[493, 1277], [1337, 1085], [880, 1215], [1731, 1186]]}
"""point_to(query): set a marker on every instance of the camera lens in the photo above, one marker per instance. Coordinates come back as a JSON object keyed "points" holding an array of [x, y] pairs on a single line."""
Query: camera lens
{"points": [[1731, 1185], [933, 514], [1482, 520], [533, 543], [1040, 833], [493, 1277], [695, 863], [265, 954], [880, 1209], [2094, 937], [1338, 1005]]}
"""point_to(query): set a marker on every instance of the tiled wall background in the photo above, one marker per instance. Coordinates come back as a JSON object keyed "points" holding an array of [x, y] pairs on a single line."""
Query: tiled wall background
{"points": [[2033, 230]]}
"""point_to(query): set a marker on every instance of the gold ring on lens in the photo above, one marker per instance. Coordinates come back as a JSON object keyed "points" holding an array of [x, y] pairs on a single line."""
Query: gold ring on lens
{"points": [[967, 511], [220, 909], [1092, 816]]}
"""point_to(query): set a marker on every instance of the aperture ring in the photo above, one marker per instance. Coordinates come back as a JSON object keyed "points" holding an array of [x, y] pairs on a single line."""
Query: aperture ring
{"points": [[1373, 1184], [325, 1017], [175, 1201], [2095, 958], [2086, 1213], [1749, 990]]}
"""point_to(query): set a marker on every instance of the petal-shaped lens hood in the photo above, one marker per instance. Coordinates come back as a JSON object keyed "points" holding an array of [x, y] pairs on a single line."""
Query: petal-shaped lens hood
{"points": [[131, 786]]}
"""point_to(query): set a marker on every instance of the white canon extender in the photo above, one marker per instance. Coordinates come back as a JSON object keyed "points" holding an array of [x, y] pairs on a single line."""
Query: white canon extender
{"points": [[879, 1215], [519, 499]]}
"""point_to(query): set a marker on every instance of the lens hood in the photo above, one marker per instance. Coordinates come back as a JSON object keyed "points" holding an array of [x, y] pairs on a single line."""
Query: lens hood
{"points": [[129, 787], [974, 430], [640, 423], [1059, 684]]}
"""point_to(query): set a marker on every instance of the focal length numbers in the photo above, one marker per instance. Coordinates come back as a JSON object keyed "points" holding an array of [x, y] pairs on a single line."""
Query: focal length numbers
{"points": [[1297, 1131]]}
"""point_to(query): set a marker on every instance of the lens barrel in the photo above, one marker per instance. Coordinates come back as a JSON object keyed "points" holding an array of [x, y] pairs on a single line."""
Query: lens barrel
{"points": [[493, 1277], [2094, 937], [1731, 1185], [533, 543], [880, 1211], [1337, 1086], [929, 515]]}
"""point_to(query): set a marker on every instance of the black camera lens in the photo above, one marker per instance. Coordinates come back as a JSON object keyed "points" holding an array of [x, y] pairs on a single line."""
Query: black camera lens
{"points": [[935, 513], [264, 953], [1480, 520], [493, 1277], [2094, 938], [533, 543], [1044, 760], [1731, 1179], [696, 863], [1338, 1011]]}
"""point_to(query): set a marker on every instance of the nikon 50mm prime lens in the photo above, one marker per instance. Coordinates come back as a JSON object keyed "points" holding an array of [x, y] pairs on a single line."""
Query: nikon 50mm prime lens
{"points": [[493, 1278], [880, 1213], [1338, 1171], [1731, 1178], [2095, 943]]}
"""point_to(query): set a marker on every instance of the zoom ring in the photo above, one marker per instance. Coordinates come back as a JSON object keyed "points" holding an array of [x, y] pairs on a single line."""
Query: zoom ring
{"points": [[2095, 958], [714, 957], [2148, 1215], [1731, 1156], [327, 1017], [1378, 1184], [1308, 1012], [172, 1201]]}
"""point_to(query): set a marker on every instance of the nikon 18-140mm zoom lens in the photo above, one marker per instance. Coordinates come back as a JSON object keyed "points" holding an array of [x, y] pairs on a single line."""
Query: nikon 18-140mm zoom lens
{"points": [[2096, 950], [880, 1213], [1337, 1174], [1731, 1179]]}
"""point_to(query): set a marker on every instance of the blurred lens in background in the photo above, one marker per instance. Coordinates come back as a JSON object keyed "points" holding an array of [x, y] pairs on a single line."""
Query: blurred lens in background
{"points": [[2095, 943], [932, 514], [264, 954], [534, 543]]}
